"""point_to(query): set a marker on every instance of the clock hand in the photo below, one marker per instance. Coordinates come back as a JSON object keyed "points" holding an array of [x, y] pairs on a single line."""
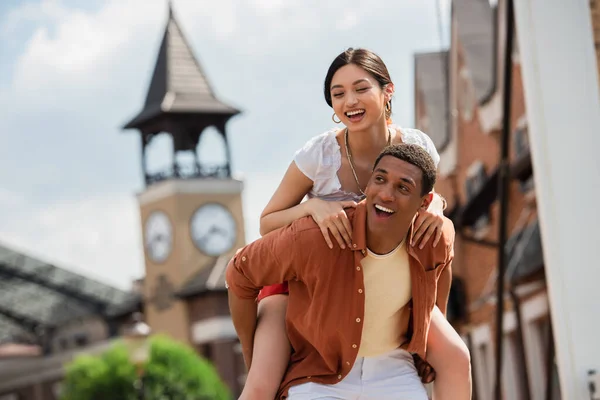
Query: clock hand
{"points": [[155, 239], [221, 231], [211, 231]]}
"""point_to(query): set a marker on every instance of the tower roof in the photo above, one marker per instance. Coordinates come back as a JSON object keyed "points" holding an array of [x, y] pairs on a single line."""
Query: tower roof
{"points": [[179, 84]]}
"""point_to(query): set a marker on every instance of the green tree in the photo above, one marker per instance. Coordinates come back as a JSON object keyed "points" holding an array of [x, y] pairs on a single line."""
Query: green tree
{"points": [[173, 372]]}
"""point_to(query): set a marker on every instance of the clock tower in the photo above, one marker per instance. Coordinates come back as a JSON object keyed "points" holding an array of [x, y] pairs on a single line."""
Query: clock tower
{"points": [[191, 212]]}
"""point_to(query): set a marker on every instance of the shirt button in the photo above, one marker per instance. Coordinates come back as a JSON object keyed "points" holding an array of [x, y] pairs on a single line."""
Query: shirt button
{"points": [[358, 268], [339, 377], [357, 319], [359, 290], [354, 346], [354, 245], [347, 363], [244, 258], [308, 377]]}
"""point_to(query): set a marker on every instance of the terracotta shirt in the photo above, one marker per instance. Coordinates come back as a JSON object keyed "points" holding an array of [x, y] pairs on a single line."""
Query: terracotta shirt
{"points": [[326, 303]]}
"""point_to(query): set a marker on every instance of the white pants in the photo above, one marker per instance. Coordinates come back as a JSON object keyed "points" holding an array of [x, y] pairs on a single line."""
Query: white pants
{"points": [[391, 376]]}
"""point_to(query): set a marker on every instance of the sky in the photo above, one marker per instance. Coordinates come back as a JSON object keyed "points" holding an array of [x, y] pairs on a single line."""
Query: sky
{"points": [[72, 73]]}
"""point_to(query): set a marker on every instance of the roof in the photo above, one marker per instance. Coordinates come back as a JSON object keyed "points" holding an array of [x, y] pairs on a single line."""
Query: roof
{"points": [[211, 277], [178, 84], [476, 20], [431, 71], [38, 295]]}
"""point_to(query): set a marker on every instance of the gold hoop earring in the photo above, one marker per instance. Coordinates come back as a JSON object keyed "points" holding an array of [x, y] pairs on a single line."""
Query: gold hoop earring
{"points": [[333, 119], [388, 107]]}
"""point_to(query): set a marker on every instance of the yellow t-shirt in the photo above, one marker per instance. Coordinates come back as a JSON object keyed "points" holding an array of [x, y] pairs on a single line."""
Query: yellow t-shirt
{"points": [[387, 291]]}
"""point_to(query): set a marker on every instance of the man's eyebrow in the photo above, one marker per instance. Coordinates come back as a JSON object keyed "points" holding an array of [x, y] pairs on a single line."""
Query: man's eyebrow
{"points": [[408, 180], [403, 179]]}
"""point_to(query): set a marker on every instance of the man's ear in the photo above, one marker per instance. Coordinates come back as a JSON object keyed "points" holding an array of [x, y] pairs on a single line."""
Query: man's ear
{"points": [[426, 201]]}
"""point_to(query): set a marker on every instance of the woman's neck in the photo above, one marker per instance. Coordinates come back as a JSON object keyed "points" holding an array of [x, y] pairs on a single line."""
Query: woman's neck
{"points": [[370, 141]]}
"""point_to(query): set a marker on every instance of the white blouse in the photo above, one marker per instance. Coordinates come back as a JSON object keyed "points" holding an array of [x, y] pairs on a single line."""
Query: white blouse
{"points": [[321, 158]]}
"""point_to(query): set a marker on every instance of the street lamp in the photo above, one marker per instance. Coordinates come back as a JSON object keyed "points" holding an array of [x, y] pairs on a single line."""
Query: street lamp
{"points": [[136, 340]]}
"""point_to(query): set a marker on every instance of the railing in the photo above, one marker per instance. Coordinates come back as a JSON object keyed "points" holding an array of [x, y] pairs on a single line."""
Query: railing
{"points": [[190, 172]]}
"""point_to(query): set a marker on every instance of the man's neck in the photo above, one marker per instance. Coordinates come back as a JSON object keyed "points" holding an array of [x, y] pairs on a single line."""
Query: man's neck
{"points": [[385, 243]]}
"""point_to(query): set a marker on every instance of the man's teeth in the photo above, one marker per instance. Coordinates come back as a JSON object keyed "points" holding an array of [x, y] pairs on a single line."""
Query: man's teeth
{"points": [[355, 112], [382, 208]]}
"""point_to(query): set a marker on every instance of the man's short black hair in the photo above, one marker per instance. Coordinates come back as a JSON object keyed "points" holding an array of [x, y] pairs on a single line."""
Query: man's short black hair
{"points": [[415, 155]]}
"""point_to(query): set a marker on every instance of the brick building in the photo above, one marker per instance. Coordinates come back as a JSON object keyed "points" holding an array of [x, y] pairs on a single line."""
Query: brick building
{"points": [[458, 100]]}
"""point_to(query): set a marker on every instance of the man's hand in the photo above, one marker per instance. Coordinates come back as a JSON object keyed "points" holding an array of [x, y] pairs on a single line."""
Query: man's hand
{"points": [[425, 371]]}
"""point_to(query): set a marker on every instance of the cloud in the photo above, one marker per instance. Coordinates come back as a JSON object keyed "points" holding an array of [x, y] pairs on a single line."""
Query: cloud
{"points": [[98, 237], [28, 12]]}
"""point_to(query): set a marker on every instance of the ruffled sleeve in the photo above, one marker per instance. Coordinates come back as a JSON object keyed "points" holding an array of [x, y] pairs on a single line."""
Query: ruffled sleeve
{"points": [[319, 159], [415, 136]]}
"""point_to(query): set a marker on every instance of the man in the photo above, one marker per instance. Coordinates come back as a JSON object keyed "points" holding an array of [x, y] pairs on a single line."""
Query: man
{"points": [[349, 309]]}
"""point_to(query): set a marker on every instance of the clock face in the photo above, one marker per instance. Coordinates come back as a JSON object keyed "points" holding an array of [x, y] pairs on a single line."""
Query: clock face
{"points": [[158, 233], [213, 229]]}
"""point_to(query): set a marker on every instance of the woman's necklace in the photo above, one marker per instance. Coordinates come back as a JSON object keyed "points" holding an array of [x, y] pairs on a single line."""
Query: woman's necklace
{"points": [[349, 155]]}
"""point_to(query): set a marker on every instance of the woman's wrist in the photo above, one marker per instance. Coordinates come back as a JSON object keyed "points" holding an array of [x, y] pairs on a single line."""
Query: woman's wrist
{"points": [[306, 207]]}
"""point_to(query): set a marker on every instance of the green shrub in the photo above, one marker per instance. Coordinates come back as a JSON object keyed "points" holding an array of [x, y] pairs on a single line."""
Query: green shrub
{"points": [[173, 372]]}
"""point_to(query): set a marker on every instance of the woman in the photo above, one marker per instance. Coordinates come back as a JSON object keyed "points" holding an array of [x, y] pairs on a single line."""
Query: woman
{"points": [[333, 169]]}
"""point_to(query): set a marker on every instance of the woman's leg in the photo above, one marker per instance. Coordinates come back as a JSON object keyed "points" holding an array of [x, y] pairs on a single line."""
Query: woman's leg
{"points": [[271, 352], [449, 356]]}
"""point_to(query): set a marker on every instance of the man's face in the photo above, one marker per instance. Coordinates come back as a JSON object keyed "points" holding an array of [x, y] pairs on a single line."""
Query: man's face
{"points": [[394, 196]]}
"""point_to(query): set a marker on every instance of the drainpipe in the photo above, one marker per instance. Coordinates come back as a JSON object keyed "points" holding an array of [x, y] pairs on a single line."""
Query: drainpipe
{"points": [[549, 361], [520, 336], [503, 181]]}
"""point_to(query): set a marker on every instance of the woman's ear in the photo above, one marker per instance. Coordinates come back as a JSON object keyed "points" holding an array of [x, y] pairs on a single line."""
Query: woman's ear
{"points": [[389, 90]]}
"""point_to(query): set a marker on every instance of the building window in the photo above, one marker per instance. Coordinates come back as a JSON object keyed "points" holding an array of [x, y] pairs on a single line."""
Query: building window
{"points": [[476, 178], [57, 389], [514, 371], [537, 338], [521, 142], [466, 94], [482, 361], [544, 336], [80, 339], [522, 148], [63, 343], [206, 351]]}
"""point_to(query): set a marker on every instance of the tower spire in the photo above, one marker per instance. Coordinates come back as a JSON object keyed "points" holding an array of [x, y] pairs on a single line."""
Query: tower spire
{"points": [[181, 102]]}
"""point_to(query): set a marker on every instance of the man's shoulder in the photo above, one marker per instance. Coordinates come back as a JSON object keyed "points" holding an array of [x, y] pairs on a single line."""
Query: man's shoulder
{"points": [[441, 251], [305, 226], [448, 232]]}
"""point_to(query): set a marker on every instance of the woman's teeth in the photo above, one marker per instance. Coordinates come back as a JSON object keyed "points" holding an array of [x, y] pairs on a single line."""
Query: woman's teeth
{"points": [[354, 113]]}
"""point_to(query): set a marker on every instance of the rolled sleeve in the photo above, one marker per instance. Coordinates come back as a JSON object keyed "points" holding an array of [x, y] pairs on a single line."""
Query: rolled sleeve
{"points": [[269, 260], [238, 282]]}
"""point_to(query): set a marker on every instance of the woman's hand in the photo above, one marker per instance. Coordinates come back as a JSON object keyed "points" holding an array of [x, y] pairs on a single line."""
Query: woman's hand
{"points": [[331, 218], [429, 222]]}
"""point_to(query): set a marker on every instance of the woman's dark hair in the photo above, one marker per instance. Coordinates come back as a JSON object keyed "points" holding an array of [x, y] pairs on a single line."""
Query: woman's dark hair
{"points": [[364, 59]]}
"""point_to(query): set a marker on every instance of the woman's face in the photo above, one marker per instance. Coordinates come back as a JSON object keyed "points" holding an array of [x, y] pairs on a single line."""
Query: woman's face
{"points": [[357, 98]]}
